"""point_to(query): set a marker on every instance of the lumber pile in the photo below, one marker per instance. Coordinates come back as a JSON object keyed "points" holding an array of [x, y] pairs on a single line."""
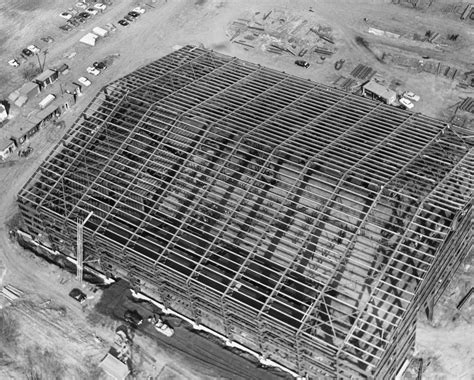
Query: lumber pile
{"points": [[467, 105], [12, 293], [363, 72]]}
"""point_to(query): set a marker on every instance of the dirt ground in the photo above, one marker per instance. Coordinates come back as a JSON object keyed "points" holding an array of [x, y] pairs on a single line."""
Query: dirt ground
{"points": [[165, 25]]}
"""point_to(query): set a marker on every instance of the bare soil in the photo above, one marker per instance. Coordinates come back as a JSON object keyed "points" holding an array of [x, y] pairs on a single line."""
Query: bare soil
{"points": [[61, 324]]}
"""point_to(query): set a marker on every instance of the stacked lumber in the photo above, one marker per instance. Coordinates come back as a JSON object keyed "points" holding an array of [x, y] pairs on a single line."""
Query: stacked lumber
{"points": [[12, 293]]}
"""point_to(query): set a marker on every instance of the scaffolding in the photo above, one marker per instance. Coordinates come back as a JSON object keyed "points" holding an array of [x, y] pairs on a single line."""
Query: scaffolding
{"points": [[305, 223]]}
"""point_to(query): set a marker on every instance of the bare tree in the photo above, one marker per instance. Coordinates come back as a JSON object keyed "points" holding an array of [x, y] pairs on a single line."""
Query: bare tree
{"points": [[43, 364], [9, 330]]}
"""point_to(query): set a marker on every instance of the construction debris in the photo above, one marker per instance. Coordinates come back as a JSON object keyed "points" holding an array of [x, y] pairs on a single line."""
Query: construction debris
{"points": [[281, 33]]}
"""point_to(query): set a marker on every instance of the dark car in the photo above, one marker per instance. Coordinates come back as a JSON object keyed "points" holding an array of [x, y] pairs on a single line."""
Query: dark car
{"points": [[27, 52], [66, 27], [74, 21], [84, 15], [123, 22], [133, 318], [133, 14], [129, 18], [78, 295], [302, 63], [99, 65]]}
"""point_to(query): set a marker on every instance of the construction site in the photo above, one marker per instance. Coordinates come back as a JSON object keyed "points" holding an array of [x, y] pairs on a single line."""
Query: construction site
{"points": [[308, 224]]}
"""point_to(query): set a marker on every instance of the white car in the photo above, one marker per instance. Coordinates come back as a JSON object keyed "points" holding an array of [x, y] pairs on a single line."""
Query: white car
{"points": [[81, 5], [139, 10], [406, 103], [92, 11], [13, 63], [93, 71], [100, 6], [84, 81], [65, 15], [34, 49], [161, 326], [411, 96]]}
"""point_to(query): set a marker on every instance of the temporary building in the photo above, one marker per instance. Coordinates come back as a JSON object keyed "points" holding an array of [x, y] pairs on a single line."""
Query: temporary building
{"points": [[114, 367], [29, 89], [21, 100], [46, 78], [46, 101], [13, 96], [7, 147], [374, 89], [89, 39], [63, 69], [3, 113], [100, 31]]}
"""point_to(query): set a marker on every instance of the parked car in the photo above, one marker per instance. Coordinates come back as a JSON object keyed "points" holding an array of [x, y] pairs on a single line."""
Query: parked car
{"points": [[84, 81], [100, 6], [129, 18], [85, 15], [411, 96], [27, 52], [99, 65], [92, 11], [139, 10], [406, 103], [93, 71], [47, 39], [34, 49], [133, 318], [13, 63], [134, 14], [66, 27], [123, 22], [110, 27], [75, 21], [78, 295], [81, 5], [65, 15], [302, 63]]}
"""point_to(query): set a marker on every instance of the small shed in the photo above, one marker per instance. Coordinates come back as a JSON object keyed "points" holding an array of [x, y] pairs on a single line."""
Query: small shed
{"points": [[89, 39], [46, 101], [21, 100], [100, 31], [63, 69], [46, 78], [376, 90], [3, 113], [7, 147], [29, 89], [51, 111], [114, 367], [13, 96]]}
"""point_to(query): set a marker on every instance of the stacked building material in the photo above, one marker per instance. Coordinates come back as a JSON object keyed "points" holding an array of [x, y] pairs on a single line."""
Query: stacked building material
{"points": [[467, 105], [363, 72]]}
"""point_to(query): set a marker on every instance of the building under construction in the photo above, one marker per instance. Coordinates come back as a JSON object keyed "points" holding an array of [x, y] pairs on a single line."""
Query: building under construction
{"points": [[308, 224]]}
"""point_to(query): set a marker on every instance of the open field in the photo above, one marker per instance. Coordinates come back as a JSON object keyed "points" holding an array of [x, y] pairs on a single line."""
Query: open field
{"points": [[164, 25]]}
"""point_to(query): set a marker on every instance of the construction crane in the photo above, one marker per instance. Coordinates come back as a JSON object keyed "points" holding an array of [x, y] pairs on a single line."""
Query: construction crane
{"points": [[80, 246]]}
